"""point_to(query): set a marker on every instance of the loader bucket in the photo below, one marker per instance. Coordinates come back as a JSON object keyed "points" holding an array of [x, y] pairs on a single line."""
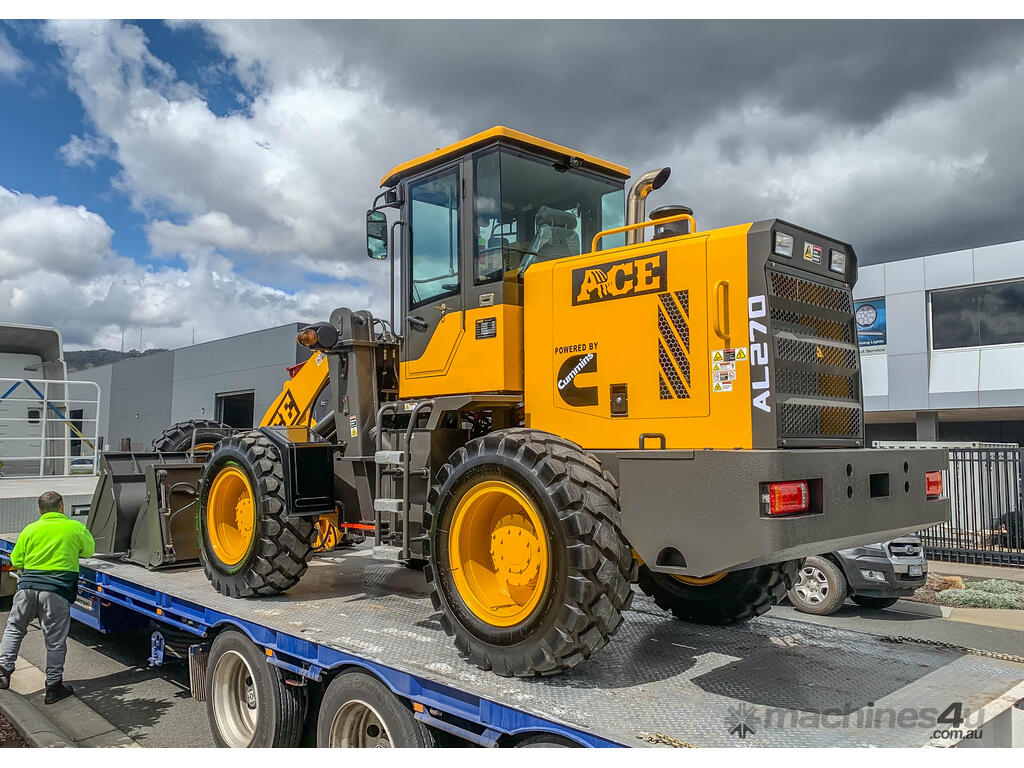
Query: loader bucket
{"points": [[142, 508]]}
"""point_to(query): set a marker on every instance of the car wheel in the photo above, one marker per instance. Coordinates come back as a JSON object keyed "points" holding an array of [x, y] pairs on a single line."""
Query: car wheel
{"points": [[820, 587]]}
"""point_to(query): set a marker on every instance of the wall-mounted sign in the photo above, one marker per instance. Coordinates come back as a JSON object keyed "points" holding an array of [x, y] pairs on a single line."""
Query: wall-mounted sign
{"points": [[870, 316]]}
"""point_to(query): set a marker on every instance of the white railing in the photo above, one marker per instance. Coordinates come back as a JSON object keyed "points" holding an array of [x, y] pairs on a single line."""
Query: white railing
{"points": [[37, 433]]}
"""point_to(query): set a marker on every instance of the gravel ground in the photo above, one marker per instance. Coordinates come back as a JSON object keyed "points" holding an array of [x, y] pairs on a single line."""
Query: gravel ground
{"points": [[8, 736]]}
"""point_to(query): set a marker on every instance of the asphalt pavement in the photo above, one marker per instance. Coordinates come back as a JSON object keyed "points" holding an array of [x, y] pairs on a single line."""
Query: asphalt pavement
{"points": [[110, 673], [892, 622]]}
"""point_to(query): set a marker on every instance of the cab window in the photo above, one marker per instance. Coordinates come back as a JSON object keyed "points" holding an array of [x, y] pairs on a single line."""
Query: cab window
{"points": [[434, 237], [528, 209]]}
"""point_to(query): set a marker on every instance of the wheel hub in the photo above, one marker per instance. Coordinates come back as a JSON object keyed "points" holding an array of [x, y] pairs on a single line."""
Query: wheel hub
{"points": [[812, 585], [498, 553], [230, 514], [515, 550]]}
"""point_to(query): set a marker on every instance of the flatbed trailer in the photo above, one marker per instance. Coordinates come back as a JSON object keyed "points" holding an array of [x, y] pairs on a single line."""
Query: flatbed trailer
{"points": [[769, 682]]}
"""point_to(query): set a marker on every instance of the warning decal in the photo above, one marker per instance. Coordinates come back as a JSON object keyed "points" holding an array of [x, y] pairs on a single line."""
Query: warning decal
{"points": [[723, 367], [812, 253], [353, 426]]}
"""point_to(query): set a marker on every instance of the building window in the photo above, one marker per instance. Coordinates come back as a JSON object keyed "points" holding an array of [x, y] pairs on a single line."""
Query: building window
{"points": [[978, 315], [236, 409]]}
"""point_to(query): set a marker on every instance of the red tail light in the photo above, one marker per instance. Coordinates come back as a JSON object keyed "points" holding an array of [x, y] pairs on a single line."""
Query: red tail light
{"points": [[788, 498], [933, 484]]}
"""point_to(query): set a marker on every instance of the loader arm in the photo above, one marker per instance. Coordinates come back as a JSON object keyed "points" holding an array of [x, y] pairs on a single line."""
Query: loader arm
{"points": [[295, 403]]}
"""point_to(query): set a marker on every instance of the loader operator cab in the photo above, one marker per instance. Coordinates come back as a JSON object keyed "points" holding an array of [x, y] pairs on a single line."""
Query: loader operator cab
{"points": [[472, 219]]}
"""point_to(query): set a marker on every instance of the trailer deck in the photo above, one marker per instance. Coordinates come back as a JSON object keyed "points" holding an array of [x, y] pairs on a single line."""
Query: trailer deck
{"points": [[768, 682]]}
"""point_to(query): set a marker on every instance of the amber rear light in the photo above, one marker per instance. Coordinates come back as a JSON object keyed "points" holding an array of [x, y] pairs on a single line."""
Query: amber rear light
{"points": [[788, 498], [933, 484]]}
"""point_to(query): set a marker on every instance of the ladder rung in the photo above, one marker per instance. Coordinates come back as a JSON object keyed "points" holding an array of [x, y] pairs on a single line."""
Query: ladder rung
{"points": [[387, 505], [389, 457]]}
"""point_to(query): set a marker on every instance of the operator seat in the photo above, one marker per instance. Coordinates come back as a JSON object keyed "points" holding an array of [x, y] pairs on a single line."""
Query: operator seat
{"points": [[555, 236]]}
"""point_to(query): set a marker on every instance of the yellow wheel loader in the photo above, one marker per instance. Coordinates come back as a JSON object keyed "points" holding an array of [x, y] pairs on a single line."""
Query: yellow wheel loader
{"points": [[566, 398]]}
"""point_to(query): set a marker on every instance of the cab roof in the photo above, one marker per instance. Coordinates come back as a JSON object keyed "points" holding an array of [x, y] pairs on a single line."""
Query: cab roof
{"points": [[506, 135]]}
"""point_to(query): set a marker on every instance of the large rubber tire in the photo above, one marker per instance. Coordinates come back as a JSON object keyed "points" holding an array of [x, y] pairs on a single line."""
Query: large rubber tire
{"points": [[281, 546], [360, 711], [738, 596], [248, 703], [874, 603], [179, 436], [589, 560], [820, 588]]}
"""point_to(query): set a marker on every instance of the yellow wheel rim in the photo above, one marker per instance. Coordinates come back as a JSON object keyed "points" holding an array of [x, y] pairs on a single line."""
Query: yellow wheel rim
{"points": [[701, 581], [498, 553], [230, 515], [204, 447]]}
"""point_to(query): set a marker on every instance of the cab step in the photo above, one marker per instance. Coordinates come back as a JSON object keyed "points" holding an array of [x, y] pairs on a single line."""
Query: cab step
{"points": [[393, 506], [389, 458], [387, 552]]}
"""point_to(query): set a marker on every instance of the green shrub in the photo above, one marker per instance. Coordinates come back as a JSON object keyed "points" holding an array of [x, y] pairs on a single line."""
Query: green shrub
{"points": [[980, 598], [998, 586]]}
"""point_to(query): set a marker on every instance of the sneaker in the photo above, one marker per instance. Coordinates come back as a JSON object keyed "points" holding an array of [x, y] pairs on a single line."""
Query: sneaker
{"points": [[5, 678], [57, 692]]}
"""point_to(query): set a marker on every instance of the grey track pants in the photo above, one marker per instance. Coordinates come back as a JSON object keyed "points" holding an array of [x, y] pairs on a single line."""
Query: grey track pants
{"points": [[54, 614]]}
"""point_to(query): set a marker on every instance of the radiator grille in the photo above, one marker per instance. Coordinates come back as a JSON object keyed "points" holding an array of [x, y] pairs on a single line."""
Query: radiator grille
{"points": [[817, 363], [673, 346], [801, 420]]}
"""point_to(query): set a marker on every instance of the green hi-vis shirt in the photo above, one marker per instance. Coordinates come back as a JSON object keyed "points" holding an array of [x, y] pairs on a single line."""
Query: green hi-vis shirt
{"points": [[47, 552]]}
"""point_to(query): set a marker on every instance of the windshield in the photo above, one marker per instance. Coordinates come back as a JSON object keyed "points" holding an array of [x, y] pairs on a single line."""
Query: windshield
{"points": [[529, 210]]}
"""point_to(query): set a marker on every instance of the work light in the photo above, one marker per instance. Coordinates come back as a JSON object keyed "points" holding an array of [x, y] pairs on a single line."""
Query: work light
{"points": [[783, 245], [837, 261]]}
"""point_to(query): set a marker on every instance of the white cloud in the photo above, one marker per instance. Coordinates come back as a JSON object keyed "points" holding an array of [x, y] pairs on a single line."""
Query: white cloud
{"points": [[84, 151], [11, 62], [291, 177], [56, 268], [38, 233]]}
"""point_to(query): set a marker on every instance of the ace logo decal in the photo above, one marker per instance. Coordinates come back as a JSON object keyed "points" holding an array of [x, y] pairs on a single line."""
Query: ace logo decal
{"points": [[619, 279]]}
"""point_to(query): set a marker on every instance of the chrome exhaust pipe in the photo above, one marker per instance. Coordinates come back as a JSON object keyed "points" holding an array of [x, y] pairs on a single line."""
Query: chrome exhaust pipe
{"points": [[636, 200]]}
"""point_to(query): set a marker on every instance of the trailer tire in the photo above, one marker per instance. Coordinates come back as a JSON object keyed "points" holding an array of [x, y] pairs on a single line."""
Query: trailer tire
{"points": [[360, 711], [736, 596], [578, 596], [247, 702], [274, 554], [820, 588], [178, 437]]}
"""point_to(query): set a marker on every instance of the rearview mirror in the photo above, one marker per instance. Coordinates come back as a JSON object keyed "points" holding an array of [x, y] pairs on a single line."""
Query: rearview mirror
{"points": [[376, 235]]}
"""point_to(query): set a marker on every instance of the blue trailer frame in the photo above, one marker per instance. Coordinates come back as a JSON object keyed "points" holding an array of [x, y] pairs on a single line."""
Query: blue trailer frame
{"points": [[111, 604]]}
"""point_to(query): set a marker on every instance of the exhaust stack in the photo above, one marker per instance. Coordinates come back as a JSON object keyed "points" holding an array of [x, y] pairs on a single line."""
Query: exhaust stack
{"points": [[636, 200]]}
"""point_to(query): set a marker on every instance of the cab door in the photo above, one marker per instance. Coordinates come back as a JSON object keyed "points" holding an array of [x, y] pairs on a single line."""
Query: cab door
{"points": [[433, 321]]}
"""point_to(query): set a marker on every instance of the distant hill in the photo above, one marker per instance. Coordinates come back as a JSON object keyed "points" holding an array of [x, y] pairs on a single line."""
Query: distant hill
{"points": [[90, 358]]}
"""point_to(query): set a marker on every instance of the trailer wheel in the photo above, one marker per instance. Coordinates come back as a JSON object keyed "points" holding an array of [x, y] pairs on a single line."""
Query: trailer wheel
{"points": [[249, 544], [722, 598], [179, 436], [820, 587], [528, 565], [359, 711], [534, 740], [247, 701]]}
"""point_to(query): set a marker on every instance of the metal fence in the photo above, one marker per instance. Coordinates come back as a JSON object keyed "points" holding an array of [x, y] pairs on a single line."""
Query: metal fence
{"points": [[48, 427], [987, 520]]}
